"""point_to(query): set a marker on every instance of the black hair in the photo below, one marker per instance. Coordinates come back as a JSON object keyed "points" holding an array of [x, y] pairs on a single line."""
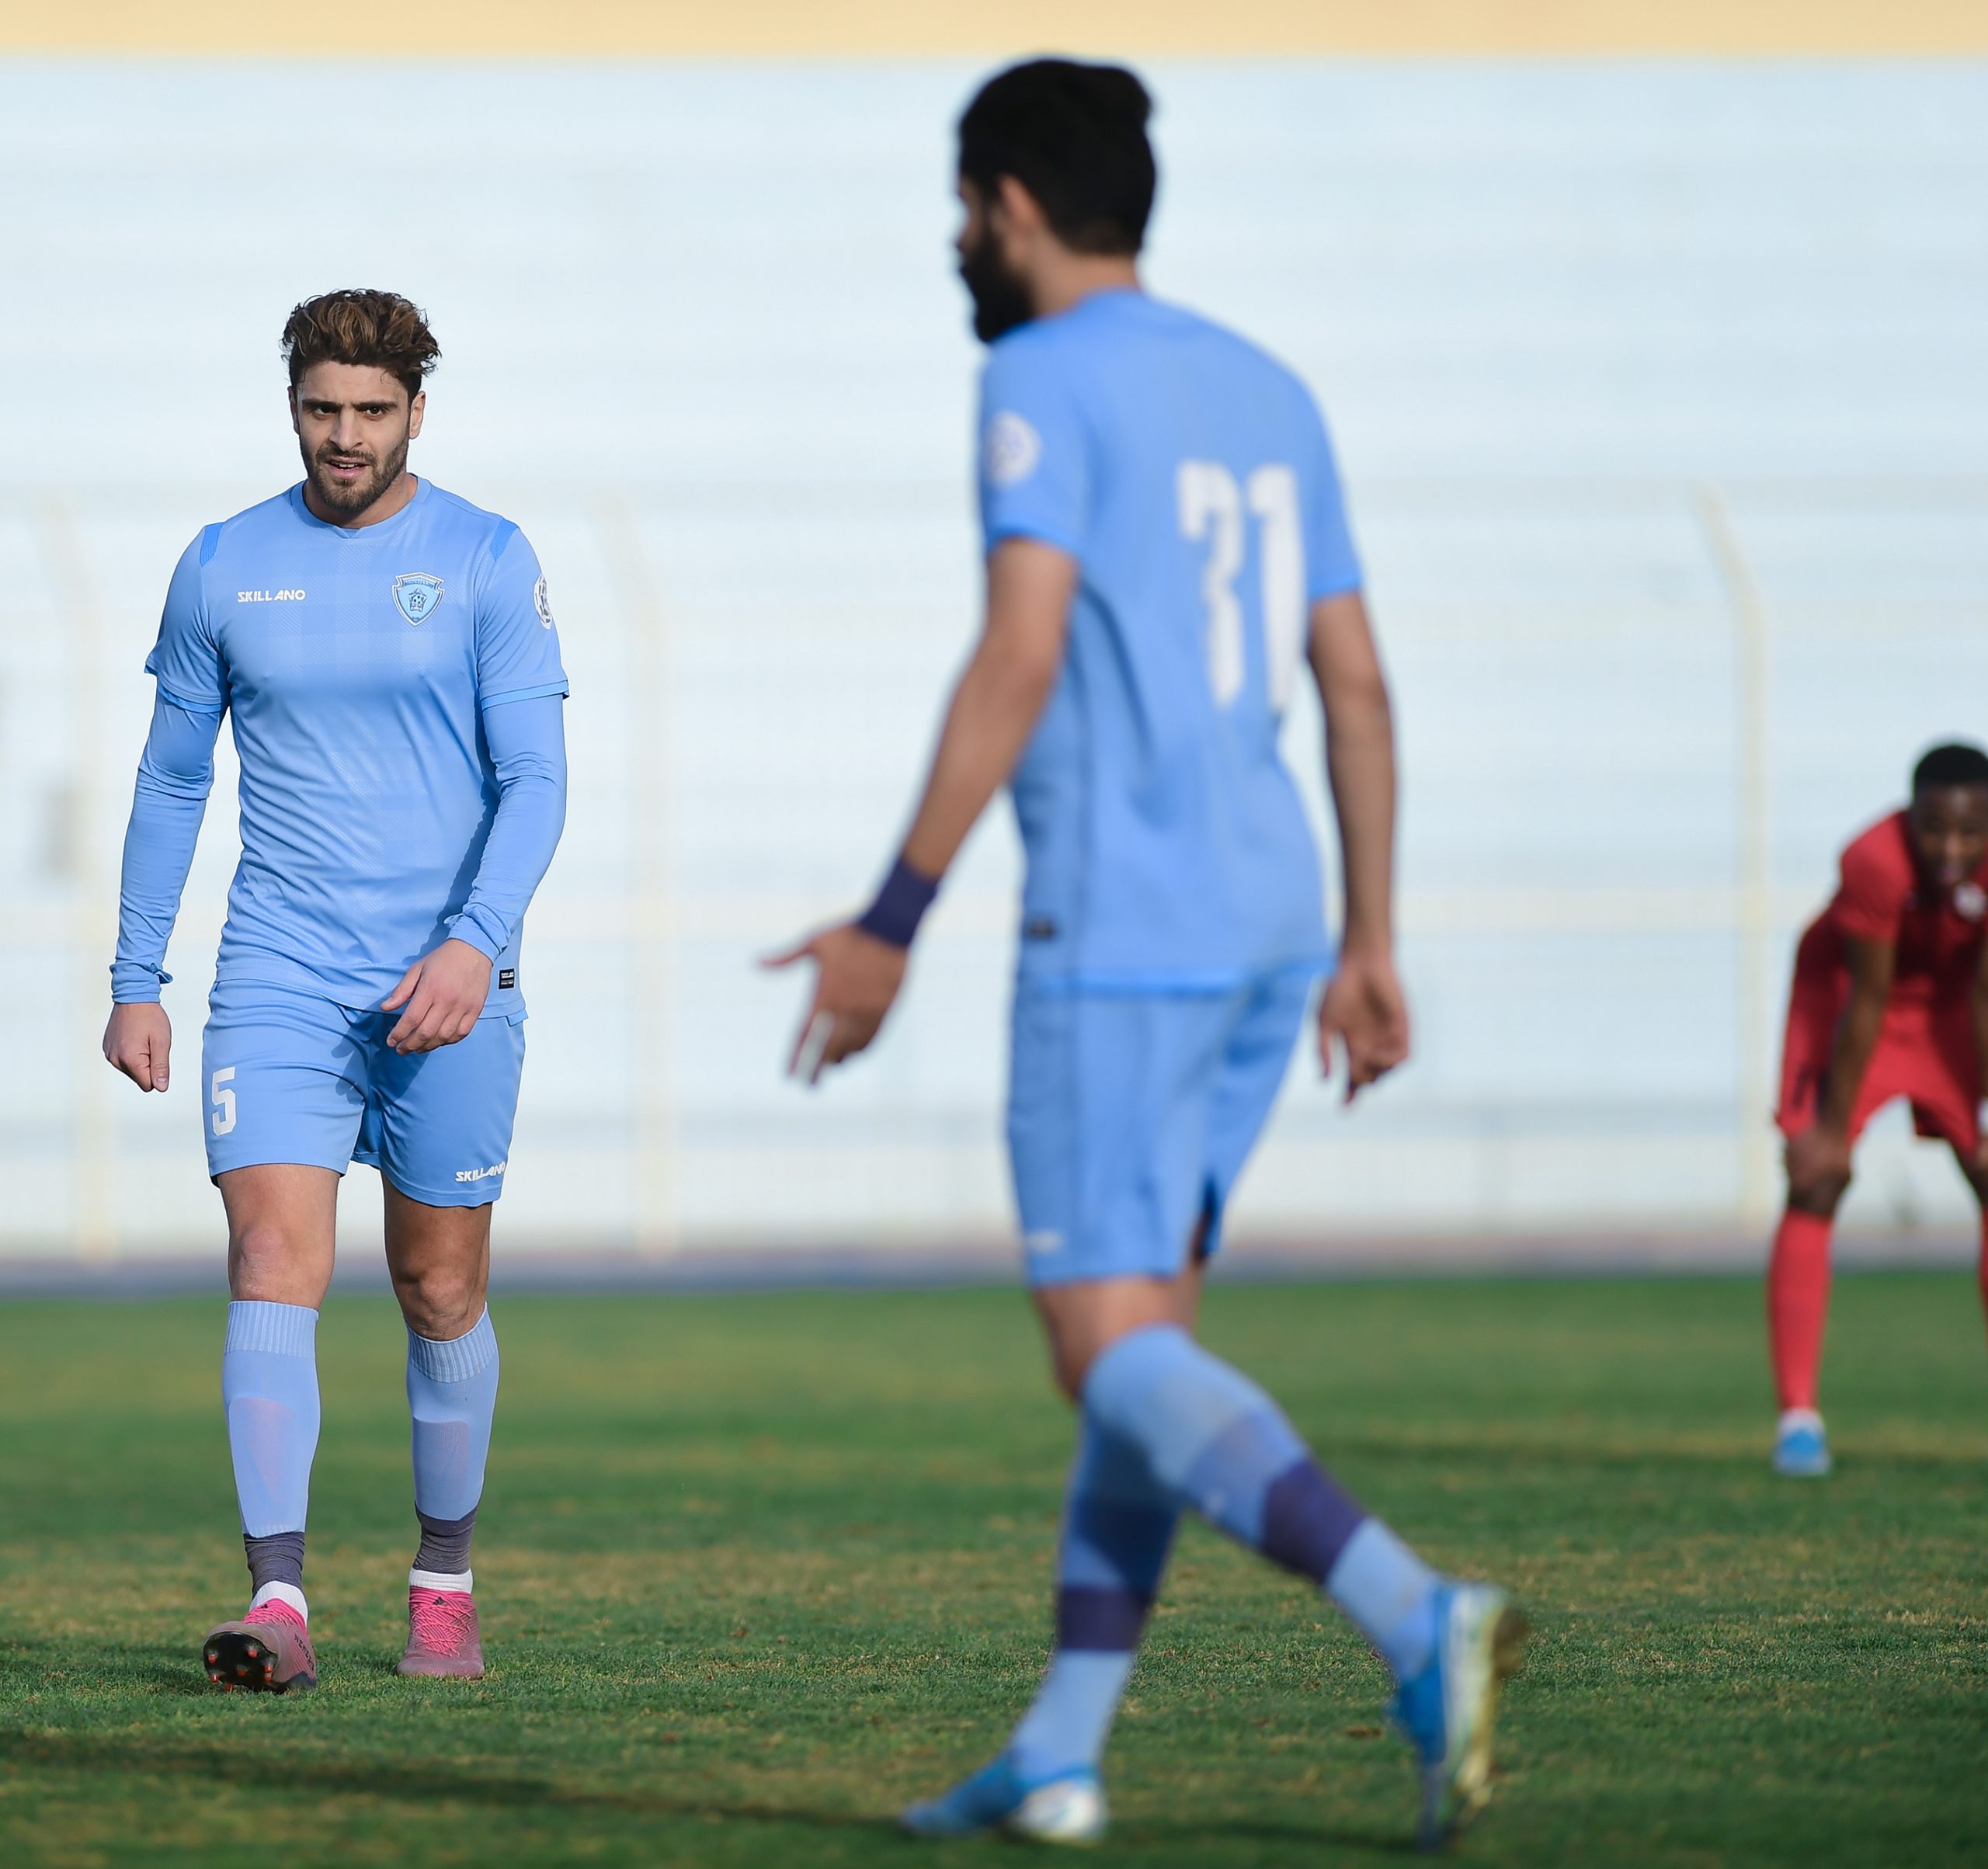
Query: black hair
{"points": [[1074, 136], [1955, 763]]}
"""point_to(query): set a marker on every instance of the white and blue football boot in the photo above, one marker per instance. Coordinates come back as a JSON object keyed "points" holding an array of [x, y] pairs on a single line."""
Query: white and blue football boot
{"points": [[1801, 1448], [1066, 1810], [1447, 1711]]}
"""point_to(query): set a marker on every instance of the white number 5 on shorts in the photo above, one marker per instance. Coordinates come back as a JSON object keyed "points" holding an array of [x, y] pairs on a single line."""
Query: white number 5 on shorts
{"points": [[223, 1099]]}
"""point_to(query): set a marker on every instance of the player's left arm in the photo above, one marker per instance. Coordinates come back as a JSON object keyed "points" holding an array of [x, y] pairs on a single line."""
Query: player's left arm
{"points": [[521, 688], [1000, 697], [1363, 1008], [445, 991]]}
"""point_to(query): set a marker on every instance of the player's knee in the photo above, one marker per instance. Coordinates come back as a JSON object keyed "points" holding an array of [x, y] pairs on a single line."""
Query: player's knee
{"points": [[263, 1251], [440, 1301], [1069, 1363], [1818, 1194]]}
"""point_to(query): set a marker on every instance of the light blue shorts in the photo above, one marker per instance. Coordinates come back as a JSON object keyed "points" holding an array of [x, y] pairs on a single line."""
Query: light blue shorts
{"points": [[1130, 1115], [287, 1077]]}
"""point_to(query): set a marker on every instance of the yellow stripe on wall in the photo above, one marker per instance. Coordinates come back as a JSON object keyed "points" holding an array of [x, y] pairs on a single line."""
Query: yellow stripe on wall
{"points": [[396, 28]]}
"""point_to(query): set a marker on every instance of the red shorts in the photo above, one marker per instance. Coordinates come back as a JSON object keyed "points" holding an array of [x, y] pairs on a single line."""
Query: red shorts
{"points": [[1925, 1053]]}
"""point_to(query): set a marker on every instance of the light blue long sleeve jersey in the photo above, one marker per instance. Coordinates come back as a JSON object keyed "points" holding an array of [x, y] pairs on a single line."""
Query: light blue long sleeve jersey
{"points": [[396, 692], [1190, 477]]}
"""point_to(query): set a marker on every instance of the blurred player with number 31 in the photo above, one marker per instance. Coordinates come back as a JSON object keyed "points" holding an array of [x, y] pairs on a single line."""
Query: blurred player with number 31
{"points": [[1166, 550]]}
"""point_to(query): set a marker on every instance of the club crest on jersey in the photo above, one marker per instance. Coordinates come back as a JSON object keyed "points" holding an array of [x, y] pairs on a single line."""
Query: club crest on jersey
{"points": [[1970, 901], [417, 594]]}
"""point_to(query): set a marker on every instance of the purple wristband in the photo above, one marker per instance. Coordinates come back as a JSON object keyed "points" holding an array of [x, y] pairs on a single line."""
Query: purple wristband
{"points": [[900, 905]]}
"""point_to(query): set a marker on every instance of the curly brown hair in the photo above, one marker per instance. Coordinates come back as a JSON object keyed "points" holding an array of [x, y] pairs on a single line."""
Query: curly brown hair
{"points": [[358, 326]]}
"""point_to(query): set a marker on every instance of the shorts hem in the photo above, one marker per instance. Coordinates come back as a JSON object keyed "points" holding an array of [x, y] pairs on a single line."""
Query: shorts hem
{"points": [[275, 1158], [1036, 1274], [457, 1194]]}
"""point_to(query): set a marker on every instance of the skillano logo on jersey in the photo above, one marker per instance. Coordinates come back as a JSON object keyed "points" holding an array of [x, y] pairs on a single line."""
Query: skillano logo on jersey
{"points": [[417, 594]]}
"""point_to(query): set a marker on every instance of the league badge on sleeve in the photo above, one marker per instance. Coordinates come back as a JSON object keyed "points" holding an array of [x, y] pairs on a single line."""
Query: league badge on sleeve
{"points": [[543, 605], [1013, 449], [417, 594]]}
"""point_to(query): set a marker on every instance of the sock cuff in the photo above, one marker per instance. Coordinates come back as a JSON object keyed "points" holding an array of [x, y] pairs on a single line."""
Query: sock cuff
{"points": [[454, 1359], [280, 1330], [279, 1592], [1128, 1360], [462, 1581]]}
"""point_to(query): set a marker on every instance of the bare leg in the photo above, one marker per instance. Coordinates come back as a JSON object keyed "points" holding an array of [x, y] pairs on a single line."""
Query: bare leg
{"points": [[281, 1219], [1085, 1318], [440, 1260]]}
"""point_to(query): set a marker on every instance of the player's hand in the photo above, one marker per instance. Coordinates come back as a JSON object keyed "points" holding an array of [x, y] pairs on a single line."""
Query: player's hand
{"points": [[443, 992], [1363, 1010], [138, 1041], [856, 981], [1817, 1159]]}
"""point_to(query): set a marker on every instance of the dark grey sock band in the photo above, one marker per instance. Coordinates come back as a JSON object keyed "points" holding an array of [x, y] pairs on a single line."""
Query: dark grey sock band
{"points": [[444, 1543], [277, 1559]]}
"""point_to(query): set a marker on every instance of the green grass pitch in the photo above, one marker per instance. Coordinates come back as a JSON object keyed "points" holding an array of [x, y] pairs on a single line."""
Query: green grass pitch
{"points": [[754, 1570]]}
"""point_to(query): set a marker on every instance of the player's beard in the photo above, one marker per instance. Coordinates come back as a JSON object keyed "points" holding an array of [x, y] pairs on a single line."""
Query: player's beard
{"points": [[346, 498], [1000, 299]]}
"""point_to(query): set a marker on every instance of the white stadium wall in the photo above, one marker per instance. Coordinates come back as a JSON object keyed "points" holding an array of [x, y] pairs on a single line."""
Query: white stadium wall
{"points": [[1661, 390]]}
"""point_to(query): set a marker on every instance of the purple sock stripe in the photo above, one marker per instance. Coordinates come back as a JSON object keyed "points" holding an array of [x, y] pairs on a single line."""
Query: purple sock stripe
{"points": [[277, 1559], [444, 1546], [1095, 1618], [280, 1330], [1307, 1521], [1133, 1540]]}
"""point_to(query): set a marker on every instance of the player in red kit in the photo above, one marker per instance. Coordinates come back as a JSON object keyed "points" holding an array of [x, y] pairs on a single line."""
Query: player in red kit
{"points": [[1889, 1000]]}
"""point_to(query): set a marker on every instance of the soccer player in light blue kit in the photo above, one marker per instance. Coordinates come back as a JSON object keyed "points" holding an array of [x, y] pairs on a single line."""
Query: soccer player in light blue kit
{"points": [[1165, 550], [387, 653]]}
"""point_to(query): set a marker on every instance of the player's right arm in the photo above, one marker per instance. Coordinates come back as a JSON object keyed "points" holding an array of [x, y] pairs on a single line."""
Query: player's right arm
{"points": [[1000, 697], [1817, 1158], [176, 772]]}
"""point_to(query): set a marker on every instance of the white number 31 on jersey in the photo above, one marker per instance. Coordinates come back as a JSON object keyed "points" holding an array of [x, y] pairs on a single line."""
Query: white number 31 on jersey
{"points": [[1211, 507]]}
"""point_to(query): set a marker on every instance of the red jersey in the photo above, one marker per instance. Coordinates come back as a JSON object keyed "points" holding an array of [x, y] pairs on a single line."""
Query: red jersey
{"points": [[1882, 897]]}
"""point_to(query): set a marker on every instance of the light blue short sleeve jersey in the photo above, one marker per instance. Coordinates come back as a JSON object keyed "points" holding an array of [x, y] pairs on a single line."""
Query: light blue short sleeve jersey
{"points": [[356, 664], [1191, 477]]}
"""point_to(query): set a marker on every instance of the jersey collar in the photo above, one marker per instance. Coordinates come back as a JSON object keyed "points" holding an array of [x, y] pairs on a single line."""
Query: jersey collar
{"points": [[386, 528]]}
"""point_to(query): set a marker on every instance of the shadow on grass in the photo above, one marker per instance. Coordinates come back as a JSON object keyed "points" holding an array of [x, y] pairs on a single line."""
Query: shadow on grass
{"points": [[428, 1783], [26, 1668]]}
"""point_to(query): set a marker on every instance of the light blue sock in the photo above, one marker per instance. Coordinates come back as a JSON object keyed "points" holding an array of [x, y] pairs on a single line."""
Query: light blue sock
{"points": [[452, 1395], [1118, 1522], [269, 1389], [1224, 1448]]}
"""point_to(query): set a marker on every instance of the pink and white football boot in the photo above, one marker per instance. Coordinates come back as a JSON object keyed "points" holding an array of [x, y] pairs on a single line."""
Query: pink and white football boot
{"points": [[268, 1651], [442, 1635]]}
